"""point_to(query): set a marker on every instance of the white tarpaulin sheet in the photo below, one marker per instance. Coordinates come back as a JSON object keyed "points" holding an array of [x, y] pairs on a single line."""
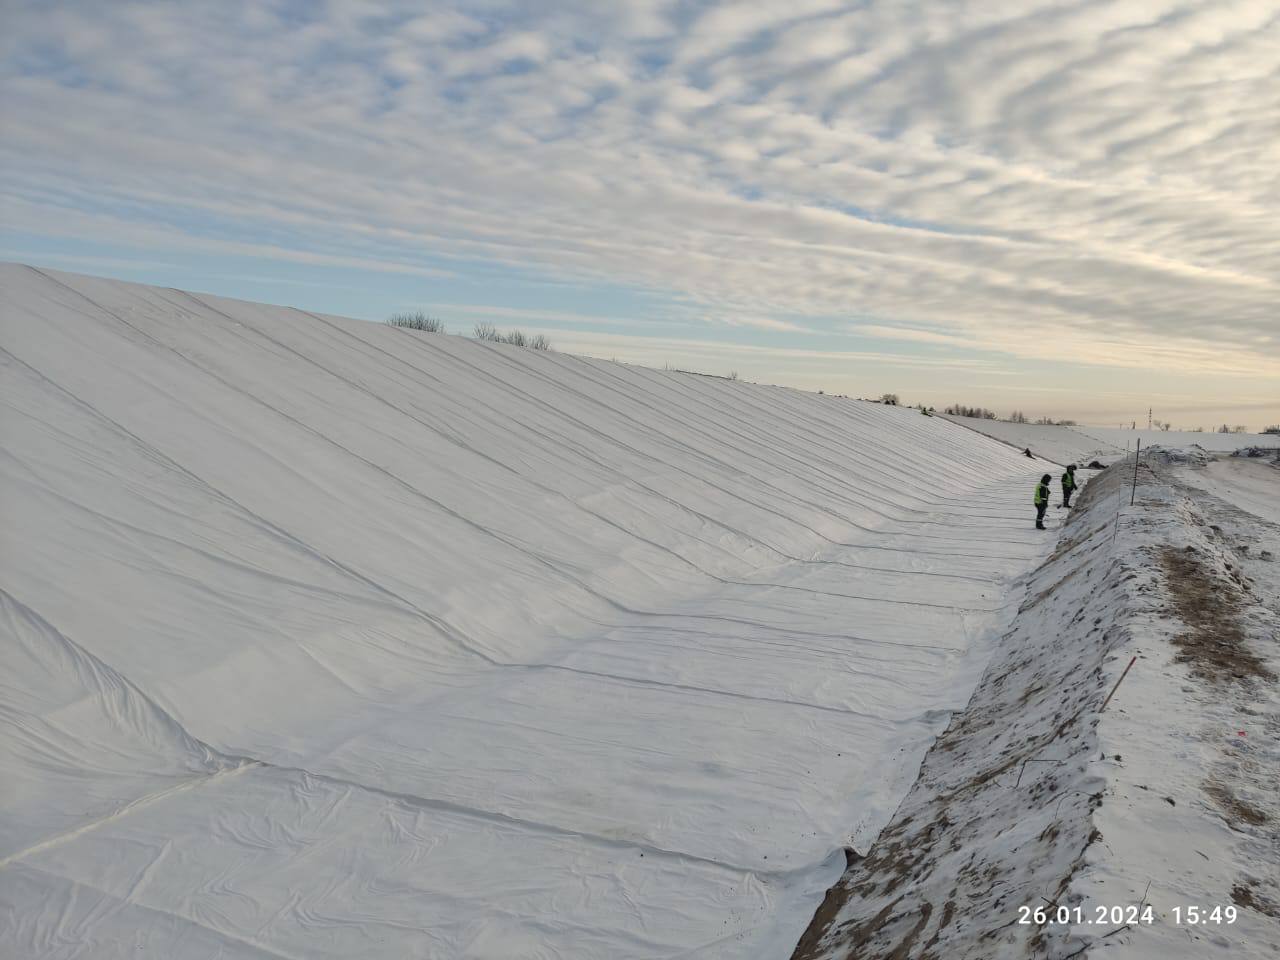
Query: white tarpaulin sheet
{"points": [[327, 639]]}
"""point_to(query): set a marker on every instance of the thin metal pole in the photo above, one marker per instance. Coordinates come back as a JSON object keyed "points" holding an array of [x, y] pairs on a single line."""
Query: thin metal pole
{"points": [[1136, 455], [1117, 686]]}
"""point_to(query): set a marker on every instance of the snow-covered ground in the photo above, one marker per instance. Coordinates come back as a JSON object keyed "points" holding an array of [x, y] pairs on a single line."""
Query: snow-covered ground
{"points": [[327, 639], [1250, 484], [1059, 445], [1045, 826], [1175, 439], [1080, 445], [1191, 818]]}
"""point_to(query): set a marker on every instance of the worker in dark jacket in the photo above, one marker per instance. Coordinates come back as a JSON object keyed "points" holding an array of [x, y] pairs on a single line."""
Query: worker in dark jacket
{"points": [[1042, 500], [1068, 484]]}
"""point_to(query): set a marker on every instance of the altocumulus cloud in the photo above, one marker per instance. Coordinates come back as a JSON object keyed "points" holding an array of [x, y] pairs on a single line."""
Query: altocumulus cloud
{"points": [[1070, 180]]}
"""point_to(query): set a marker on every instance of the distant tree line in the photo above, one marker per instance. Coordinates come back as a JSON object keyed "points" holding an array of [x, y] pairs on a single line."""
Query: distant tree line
{"points": [[960, 410], [1050, 422], [982, 413]]}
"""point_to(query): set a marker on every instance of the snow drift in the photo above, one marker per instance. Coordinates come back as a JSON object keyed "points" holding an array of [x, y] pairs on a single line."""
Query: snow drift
{"points": [[328, 639]]}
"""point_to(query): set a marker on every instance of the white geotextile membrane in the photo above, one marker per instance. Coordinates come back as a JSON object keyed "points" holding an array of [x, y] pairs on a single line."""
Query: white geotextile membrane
{"points": [[327, 639]]}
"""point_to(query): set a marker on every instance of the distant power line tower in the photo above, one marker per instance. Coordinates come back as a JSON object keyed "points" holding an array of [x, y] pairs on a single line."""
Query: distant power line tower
{"points": [[1148, 418]]}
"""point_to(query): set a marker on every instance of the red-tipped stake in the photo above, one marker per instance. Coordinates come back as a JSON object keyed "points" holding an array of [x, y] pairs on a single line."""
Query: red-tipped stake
{"points": [[1117, 686]]}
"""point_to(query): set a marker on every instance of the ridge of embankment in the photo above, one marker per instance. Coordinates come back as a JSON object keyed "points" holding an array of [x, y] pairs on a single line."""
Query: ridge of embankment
{"points": [[1111, 824], [1000, 814]]}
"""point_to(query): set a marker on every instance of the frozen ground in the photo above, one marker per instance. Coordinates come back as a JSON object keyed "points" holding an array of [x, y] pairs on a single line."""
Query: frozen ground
{"points": [[1148, 830], [327, 639]]}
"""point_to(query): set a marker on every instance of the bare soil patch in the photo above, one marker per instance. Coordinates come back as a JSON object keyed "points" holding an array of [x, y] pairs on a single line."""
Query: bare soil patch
{"points": [[1214, 644], [1237, 810], [1244, 895]]}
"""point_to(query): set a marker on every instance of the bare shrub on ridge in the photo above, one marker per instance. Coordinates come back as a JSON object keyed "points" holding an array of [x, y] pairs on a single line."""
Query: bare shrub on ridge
{"points": [[416, 320]]}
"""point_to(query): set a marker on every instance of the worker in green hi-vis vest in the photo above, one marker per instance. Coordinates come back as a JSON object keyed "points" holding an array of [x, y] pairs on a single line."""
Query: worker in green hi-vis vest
{"points": [[1042, 500], [1068, 484]]}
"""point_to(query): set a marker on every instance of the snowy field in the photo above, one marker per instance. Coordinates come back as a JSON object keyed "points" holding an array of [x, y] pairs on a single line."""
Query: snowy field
{"points": [[1177, 439], [328, 639], [1252, 485], [1060, 445], [1063, 445]]}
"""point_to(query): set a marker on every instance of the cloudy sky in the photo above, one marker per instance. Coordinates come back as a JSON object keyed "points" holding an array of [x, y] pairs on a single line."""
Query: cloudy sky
{"points": [[1072, 208]]}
